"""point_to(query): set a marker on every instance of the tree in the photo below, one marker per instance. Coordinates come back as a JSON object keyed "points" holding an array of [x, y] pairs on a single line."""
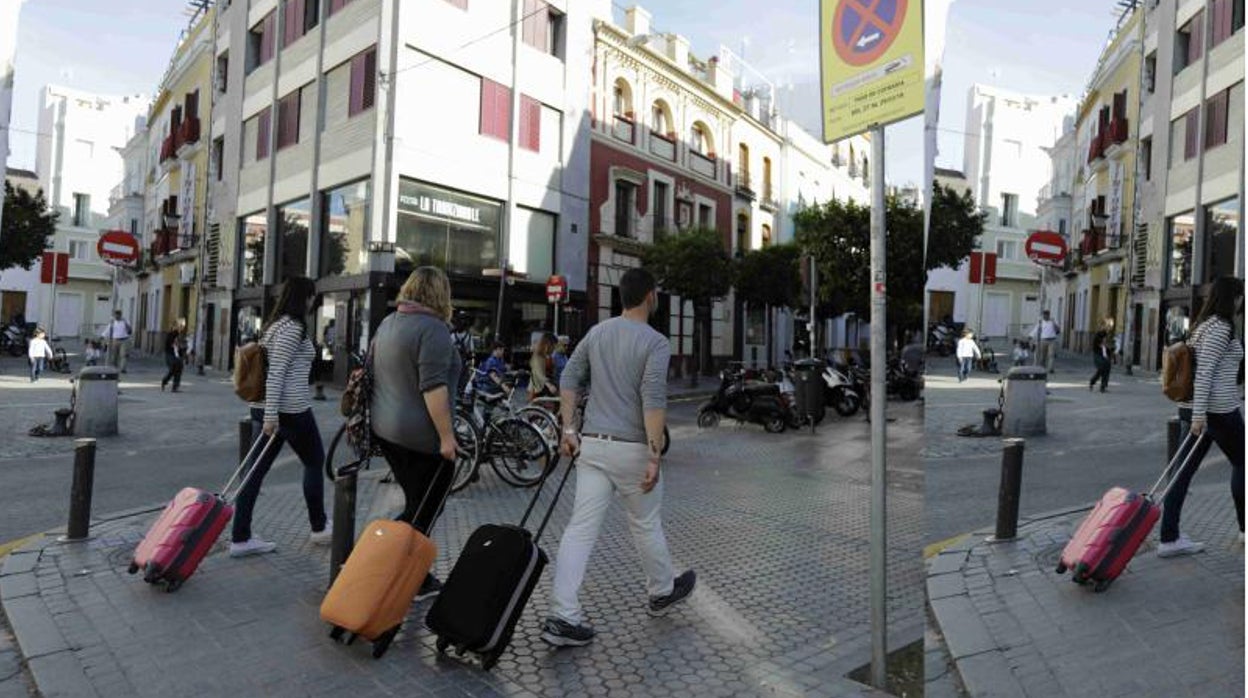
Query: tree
{"points": [[28, 225], [955, 225], [694, 266], [770, 277]]}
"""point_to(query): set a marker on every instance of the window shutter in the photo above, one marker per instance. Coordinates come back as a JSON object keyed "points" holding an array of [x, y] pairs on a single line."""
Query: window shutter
{"points": [[262, 134], [335, 5], [502, 112], [1194, 46], [487, 107], [1190, 140], [356, 98], [368, 90], [541, 25], [527, 22], [530, 123], [267, 31]]}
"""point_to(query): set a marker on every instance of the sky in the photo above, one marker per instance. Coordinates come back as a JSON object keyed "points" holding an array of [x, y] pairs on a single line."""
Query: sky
{"points": [[131, 41], [1038, 48]]}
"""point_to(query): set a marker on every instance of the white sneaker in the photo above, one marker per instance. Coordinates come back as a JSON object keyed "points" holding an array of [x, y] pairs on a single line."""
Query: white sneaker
{"points": [[324, 537], [1181, 546], [255, 546]]}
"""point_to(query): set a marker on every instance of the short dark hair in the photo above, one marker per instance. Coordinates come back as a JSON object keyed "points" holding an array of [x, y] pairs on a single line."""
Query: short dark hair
{"points": [[498, 345], [635, 285], [1224, 292]]}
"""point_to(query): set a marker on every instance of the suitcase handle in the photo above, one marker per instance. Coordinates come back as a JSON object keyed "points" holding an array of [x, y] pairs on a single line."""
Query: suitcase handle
{"points": [[1182, 458], [254, 460], [551, 509]]}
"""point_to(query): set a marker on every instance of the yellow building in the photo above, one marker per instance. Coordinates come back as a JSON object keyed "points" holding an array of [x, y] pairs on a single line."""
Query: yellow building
{"points": [[176, 187], [1104, 190]]}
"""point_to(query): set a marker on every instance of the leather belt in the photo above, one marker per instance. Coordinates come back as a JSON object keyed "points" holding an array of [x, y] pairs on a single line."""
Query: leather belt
{"points": [[608, 438]]}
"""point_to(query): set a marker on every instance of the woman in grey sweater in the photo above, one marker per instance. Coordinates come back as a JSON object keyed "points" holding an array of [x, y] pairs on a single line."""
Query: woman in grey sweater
{"points": [[414, 365]]}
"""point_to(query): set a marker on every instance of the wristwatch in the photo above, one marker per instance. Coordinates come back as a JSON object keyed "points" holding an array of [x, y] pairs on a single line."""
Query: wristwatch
{"points": [[571, 432]]}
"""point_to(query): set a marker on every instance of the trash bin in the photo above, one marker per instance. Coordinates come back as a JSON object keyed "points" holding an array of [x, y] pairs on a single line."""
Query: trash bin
{"points": [[1024, 406], [808, 388], [95, 407]]}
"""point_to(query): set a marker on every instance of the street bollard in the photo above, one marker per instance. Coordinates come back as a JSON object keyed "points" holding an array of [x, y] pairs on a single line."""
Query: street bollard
{"points": [[1174, 437], [1011, 484], [344, 520], [80, 492], [245, 436]]}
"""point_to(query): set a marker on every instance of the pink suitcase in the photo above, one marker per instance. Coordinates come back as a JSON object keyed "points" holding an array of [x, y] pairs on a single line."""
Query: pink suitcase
{"points": [[189, 526], [1110, 536]]}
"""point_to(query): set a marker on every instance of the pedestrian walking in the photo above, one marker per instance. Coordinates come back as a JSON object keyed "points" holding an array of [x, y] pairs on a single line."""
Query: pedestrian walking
{"points": [[39, 352], [175, 356], [1216, 407], [286, 415], [118, 334], [1046, 333], [621, 454], [1102, 354], [560, 356], [967, 353], [415, 367], [542, 368]]}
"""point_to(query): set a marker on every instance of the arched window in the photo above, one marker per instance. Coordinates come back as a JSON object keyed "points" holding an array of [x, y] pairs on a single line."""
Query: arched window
{"points": [[743, 233], [622, 103], [700, 140], [766, 235], [767, 179], [661, 118], [743, 165]]}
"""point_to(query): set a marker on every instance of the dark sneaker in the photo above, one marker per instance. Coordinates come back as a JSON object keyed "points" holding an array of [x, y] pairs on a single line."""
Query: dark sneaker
{"points": [[563, 634], [682, 587], [430, 588]]}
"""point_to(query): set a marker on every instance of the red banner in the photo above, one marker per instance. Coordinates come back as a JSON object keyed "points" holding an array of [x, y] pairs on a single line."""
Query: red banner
{"points": [[983, 264], [54, 260]]}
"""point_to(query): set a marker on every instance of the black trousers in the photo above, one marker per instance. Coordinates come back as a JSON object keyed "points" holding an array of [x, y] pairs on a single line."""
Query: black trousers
{"points": [[1102, 373], [419, 475], [1227, 430], [175, 365]]}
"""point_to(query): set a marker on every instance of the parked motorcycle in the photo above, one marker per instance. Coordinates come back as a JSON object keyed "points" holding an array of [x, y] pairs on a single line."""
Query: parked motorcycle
{"points": [[757, 402], [942, 338], [13, 339], [840, 393]]}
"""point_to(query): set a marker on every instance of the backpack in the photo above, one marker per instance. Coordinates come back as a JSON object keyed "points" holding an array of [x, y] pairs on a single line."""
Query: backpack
{"points": [[1178, 371], [251, 369]]}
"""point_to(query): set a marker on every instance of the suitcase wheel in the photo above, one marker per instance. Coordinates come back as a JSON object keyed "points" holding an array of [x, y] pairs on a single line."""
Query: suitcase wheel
{"points": [[172, 585], [382, 643], [335, 633], [443, 643], [1102, 585], [351, 638], [133, 568], [461, 651], [489, 660], [151, 573], [1061, 568]]}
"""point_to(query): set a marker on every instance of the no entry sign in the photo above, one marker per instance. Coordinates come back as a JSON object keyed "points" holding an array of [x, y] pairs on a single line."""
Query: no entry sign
{"points": [[117, 247], [1046, 247], [556, 289]]}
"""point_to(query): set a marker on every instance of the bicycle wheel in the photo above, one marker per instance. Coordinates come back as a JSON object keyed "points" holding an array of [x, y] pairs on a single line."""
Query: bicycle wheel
{"points": [[60, 360], [545, 423], [469, 443], [331, 468], [519, 452]]}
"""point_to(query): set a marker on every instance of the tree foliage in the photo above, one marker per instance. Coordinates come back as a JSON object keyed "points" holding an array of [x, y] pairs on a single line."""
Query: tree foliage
{"points": [[955, 225], [28, 226], [692, 265], [770, 276]]}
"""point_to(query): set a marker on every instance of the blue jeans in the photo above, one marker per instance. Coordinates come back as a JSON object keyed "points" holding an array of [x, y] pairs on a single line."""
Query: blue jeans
{"points": [[964, 368], [37, 366], [304, 436], [1227, 430]]}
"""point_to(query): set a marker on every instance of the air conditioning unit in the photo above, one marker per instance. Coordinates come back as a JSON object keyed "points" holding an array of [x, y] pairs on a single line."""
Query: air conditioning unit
{"points": [[1115, 273]]}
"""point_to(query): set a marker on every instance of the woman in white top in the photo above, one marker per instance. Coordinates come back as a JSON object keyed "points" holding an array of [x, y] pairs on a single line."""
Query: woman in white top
{"points": [[1215, 408], [39, 353], [967, 352]]}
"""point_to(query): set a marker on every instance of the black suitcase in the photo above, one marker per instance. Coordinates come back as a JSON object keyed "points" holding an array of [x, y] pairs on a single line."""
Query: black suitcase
{"points": [[490, 584]]}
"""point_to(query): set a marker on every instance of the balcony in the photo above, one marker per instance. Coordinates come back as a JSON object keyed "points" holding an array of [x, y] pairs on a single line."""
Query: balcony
{"points": [[1117, 134], [1097, 240], [1096, 149], [769, 203], [703, 165], [624, 129], [744, 190], [167, 149], [187, 134], [662, 146], [168, 242]]}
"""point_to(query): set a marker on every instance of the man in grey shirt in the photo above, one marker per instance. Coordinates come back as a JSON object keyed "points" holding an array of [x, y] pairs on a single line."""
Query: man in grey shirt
{"points": [[626, 360]]}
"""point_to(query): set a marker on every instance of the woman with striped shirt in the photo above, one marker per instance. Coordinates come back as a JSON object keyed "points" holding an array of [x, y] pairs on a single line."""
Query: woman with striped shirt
{"points": [[288, 405], [1215, 408]]}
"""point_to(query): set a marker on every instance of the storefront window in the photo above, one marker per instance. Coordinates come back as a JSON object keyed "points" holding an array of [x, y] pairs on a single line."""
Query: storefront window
{"points": [[253, 229], [1180, 230], [534, 248], [344, 230], [442, 228], [249, 323], [296, 221], [1221, 233]]}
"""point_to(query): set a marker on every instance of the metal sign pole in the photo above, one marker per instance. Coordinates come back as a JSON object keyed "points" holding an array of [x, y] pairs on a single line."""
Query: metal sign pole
{"points": [[814, 286], [879, 396]]}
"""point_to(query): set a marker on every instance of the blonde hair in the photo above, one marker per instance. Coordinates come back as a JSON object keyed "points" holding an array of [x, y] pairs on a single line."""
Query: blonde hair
{"points": [[429, 287]]}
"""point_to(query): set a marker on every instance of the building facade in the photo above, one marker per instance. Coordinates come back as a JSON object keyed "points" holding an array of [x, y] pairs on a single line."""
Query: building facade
{"points": [[358, 139], [18, 286], [127, 210]]}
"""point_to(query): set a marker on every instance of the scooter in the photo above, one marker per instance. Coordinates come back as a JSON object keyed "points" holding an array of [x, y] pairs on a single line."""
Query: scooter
{"points": [[840, 391], [745, 401], [13, 339]]}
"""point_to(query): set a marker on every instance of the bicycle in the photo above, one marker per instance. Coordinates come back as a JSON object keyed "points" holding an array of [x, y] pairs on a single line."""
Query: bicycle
{"points": [[518, 451]]}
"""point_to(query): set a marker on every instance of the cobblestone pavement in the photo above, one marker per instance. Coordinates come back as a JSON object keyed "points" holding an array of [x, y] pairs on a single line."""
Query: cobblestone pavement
{"points": [[1166, 628], [776, 527]]}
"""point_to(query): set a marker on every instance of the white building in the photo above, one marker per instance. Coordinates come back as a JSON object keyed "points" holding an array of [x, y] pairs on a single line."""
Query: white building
{"points": [[1055, 212], [126, 211], [9, 12], [77, 162]]}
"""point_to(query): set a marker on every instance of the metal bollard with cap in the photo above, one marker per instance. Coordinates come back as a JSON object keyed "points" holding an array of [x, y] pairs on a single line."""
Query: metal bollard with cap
{"points": [[1024, 407], [95, 406], [1010, 491], [80, 492]]}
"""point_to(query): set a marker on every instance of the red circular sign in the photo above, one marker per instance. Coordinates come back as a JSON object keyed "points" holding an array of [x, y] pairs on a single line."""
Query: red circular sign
{"points": [[118, 247], [556, 289], [862, 30], [1046, 247]]}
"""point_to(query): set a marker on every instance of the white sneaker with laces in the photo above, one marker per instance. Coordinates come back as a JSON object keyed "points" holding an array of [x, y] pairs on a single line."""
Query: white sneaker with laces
{"points": [[254, 546], [324, 537], [1180, 546]]}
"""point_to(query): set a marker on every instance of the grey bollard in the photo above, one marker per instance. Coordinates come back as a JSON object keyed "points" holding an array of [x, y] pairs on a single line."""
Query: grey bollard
{"points": [[80, 492], [1024, 408], [345, 487], [95, 406], [1011, 487]]}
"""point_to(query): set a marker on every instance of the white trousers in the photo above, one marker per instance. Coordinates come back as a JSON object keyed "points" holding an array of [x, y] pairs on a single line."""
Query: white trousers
{"points": [[605, 468]]}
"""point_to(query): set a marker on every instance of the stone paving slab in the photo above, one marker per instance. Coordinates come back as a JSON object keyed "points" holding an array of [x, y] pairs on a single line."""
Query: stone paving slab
{"points": [[1167, 627], [776, 527]]}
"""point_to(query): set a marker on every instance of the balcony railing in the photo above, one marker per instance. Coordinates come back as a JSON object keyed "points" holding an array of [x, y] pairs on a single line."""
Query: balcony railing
{"points": [[1117, 133], [662, 146], [1097, 240], [743, 185], [167, 149], [187, 133], [769, 202], [624, 129], [703, 165], [168, 241]]}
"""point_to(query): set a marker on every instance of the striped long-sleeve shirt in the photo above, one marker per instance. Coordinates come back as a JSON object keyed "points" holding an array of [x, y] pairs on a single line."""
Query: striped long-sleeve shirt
{"points": [[1218, 355], [290, 356]]}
